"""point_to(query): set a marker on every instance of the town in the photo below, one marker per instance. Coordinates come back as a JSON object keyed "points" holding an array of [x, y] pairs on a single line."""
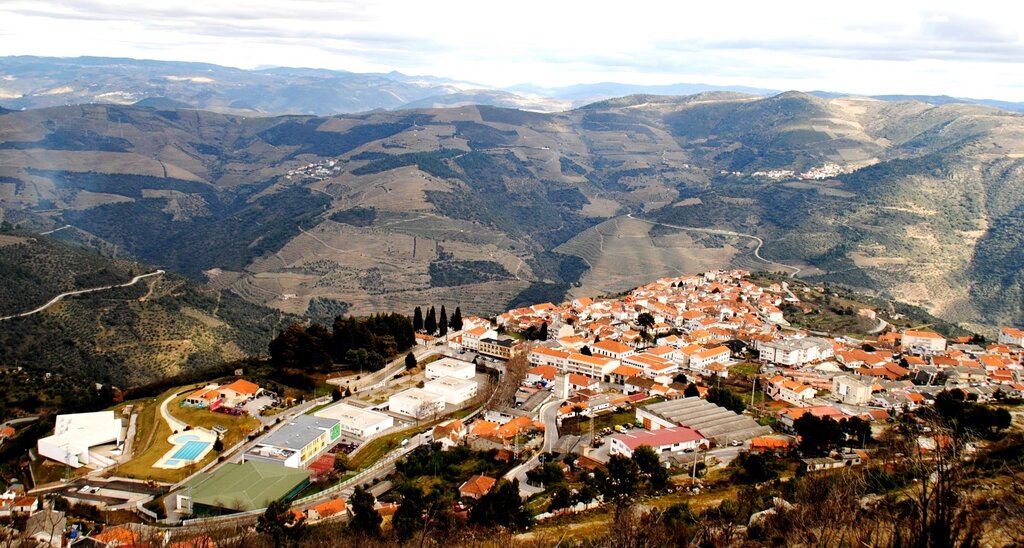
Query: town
{"points": [[704, 374]]}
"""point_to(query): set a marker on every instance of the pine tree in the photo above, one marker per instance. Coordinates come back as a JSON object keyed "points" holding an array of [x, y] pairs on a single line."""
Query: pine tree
{"points": [[456, 321], [443, 326], [410, 360], [430, 324], [417, 319], [543, 331]]}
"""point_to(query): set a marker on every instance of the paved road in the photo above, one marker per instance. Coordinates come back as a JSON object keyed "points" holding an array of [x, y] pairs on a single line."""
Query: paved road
{"points": [[175, 424], [54, 300], [549, 416], [757, 250]]}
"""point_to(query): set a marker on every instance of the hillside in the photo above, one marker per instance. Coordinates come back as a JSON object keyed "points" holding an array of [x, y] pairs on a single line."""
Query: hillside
{"points": [[484, 207], [163, 326]]}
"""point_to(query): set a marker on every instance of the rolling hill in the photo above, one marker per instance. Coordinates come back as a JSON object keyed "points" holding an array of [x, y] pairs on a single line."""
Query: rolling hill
{"points": [[163, 326], [487, 207]]}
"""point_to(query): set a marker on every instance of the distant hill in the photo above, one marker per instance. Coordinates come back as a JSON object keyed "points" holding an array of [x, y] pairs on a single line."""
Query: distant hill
{"points": [[163, 326], [485, 207]]}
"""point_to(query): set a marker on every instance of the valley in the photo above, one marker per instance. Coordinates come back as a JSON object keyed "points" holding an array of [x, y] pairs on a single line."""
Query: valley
{"points": [[487, 208]]}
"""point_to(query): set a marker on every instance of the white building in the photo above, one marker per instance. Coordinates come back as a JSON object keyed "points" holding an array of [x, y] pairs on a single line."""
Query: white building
{"points": [[850, 390], [454, 390], [922, 341], [416, 403], [74, 436], [357, 422], [699, 361], [662, 440], [450, 367], [1011, 336], [796, 352]]}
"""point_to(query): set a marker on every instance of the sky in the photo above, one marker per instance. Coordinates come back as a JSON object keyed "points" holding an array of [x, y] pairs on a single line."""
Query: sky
{"points": [[964, 49]]}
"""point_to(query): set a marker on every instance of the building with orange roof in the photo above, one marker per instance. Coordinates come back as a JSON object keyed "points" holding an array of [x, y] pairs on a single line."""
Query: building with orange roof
{"points": [[763, 444], [476, 487], [117, 536], [199, 541], [581, 382], [541, 373], [326, 509], [1011, 336], [789, 416], [612, 349]]}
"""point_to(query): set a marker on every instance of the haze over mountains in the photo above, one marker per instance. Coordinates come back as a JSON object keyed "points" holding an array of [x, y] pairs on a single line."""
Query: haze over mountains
{"points": [[488, 207], [33, 82]]}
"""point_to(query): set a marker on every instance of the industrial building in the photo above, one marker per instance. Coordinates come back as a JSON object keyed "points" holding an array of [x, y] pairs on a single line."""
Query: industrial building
{"points": [[716, 423], [662, 440]]}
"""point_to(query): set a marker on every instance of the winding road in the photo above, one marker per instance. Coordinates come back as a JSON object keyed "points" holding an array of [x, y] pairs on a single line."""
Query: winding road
{"points": [[56, 299], [757, 250]]}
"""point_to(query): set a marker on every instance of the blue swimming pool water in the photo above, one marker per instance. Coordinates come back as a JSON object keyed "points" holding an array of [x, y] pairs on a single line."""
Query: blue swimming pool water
{"points": [[171, 462], [186, 437], [190, 450]]}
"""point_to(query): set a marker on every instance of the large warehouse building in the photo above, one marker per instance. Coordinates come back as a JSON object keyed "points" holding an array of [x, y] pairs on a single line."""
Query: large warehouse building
{"points": [[239, 488], [716, 423], [296, 443]]}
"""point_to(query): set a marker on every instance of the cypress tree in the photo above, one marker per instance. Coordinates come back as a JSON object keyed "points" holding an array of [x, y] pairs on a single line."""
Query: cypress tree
{"points": [[430, 324], [456, 322], [543, 331], [417, 319], [443, 326]]}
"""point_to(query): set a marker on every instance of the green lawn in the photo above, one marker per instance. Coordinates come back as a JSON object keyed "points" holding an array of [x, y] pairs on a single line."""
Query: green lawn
{"points": [[152, 433]]}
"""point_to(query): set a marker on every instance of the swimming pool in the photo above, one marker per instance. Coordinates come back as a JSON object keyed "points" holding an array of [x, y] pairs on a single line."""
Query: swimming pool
{"points": [[190, 450]]}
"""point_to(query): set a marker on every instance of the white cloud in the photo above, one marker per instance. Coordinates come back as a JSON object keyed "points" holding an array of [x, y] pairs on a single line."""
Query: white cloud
{"points": [[940, 47]]}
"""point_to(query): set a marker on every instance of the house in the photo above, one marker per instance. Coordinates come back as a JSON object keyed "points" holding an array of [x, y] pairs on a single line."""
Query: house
{"points": [[540, 373], [787, 417], [297, 442], [850, 391], [773, 444], [75, 435], [46, 528], [581, 382], [18, 506], [924, 342], [233, 394], [476, 487], [422, 339], [449, 434], [543, 356], [471, 337], [662, 440], [1011, 336], [788, 390], [450, 367], [829, 463], [325, 509]]}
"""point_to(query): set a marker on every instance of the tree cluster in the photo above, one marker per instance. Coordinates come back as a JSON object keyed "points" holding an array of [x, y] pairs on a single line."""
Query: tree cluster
{"points": [[726, 398], [358, 343], [432, 324]]}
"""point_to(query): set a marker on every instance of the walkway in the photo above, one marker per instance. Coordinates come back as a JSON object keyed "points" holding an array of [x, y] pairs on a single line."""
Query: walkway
{"points": [[175, 424]]}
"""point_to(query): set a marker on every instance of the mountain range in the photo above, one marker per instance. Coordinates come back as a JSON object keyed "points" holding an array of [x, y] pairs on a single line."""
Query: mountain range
{"points": [[485, 207], [28, 82]]}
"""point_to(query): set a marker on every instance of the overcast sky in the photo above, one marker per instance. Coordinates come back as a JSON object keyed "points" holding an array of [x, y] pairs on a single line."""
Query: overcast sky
{"points": [[967, 49]]}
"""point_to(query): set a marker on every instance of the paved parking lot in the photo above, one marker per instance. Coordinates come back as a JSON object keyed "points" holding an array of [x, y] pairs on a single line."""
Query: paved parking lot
{"points": [[253, 407]]}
